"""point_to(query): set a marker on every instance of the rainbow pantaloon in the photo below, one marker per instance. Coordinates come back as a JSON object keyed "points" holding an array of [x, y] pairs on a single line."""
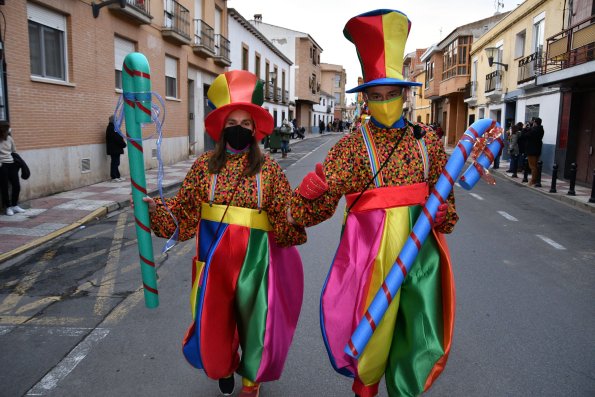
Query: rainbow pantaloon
{"points": [[246, 291]]}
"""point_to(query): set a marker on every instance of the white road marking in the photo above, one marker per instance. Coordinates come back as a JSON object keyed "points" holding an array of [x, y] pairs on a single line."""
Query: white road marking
{"points": [[68, 363], [508, 216], [551, 242], [477, 196]]}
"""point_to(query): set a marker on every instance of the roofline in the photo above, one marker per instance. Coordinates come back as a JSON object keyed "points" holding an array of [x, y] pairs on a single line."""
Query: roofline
{"points": [[244, 22], [296, 31]]}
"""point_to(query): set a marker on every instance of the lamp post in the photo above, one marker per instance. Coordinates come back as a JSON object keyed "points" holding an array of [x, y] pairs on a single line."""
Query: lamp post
{"points": [[492, 52]]}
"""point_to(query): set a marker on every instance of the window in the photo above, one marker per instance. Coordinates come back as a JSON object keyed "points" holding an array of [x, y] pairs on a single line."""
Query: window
{"points": [[257, 64], [337, 97], [171, 77], [337, 81], [456, 57], [519, 46], [47, 42], [244, 57], [429, 72], [538, 35], [531, 111], [122, 48]]}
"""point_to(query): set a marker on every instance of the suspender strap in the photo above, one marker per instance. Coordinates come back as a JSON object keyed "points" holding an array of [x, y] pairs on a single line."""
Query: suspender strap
{"points": [[372, 154]]}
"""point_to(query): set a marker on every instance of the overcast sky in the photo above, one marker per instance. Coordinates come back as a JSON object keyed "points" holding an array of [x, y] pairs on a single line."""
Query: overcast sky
{"points": [[431, 21]]}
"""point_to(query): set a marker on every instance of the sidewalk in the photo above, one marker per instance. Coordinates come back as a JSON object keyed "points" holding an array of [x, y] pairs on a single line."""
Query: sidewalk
{"points": [[49, 217]]}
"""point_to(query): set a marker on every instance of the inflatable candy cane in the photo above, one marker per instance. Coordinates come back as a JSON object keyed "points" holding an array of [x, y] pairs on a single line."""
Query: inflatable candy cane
{"points": [[136, 84], [482, 141]]}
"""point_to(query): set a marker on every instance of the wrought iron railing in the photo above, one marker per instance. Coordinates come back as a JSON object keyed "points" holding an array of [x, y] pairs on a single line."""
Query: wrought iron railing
{"points": [[286, 96], [141, 5], [204, 35], [177, 18], [221, 46], [493, 81], [571, 47], [470, 90], [529, 67]]}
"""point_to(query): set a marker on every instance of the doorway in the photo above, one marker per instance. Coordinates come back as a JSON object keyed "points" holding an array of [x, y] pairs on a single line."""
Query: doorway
{"points": [[191, 122], [209, 143]]}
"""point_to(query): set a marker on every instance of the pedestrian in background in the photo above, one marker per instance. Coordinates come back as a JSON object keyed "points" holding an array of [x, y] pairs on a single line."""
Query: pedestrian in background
{"points": [[285, 132], [513, 148], [9, 173], [321, 126], [115, 145], [533, 148], [247, 279]]}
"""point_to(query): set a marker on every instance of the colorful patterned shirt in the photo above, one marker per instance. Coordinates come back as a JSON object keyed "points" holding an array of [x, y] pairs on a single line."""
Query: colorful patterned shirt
{"points": [[347, 170], [196, 188]]}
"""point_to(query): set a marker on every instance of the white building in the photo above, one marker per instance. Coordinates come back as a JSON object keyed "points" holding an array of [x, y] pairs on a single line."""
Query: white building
{"points": [[250, 50]]}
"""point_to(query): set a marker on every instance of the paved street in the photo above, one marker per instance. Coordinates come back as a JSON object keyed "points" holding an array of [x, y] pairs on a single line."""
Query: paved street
{"points": [[73, 321]]}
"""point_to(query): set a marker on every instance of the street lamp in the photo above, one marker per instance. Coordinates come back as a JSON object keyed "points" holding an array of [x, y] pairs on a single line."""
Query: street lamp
{"points": [[491, 53], [272, 76]]}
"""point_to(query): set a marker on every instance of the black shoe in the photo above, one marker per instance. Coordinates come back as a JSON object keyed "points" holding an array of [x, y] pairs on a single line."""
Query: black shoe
{"points": [[514, 176], [508, 171], [226, 385]]}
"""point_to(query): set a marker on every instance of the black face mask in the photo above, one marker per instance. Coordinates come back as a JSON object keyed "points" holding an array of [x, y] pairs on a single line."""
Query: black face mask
{"points": [[238, 137]]}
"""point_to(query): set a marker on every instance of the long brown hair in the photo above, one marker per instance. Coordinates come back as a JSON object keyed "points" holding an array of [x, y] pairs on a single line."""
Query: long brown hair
{"points": [[218, 158]]}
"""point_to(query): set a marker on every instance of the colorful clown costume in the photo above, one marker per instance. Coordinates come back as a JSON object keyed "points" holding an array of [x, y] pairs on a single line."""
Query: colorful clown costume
{"points": [[247, 279], [411, 344]]}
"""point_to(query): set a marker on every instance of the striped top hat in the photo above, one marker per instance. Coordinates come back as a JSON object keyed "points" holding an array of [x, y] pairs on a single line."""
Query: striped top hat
{"points": [[379, 37], [237, 89]]}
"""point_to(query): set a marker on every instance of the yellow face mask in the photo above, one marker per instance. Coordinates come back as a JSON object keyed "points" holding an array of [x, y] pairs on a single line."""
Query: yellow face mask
{"points": [[386, 112]]}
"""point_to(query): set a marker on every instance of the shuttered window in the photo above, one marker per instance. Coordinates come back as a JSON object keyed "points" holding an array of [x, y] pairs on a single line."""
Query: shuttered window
{"points": [[171, 77], [122, 47], [47, 42]]}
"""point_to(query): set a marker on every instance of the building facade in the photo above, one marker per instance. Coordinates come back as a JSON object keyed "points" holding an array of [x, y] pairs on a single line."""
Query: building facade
{"points": [[448, 69], [505, 62], [305, 73], [63, 77], [568, 63], [333, 79], [251, 51]]}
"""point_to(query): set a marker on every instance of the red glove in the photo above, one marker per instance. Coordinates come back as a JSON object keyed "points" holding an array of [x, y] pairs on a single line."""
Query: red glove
{"points": [[440, 215], [314, 184]]}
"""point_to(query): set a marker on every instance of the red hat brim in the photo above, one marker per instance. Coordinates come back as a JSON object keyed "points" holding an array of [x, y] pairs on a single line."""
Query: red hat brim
{"points": [[263, 121]]}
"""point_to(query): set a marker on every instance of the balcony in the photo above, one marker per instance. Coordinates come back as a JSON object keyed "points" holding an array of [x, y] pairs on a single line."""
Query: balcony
{"points": [[269, 91], [528, 68], [470, 93], [204, 39], [572, 48], [328, 109], [176, 23], [285, 99], [278, 96], [221, 57], [493, 85], [137, 11]]}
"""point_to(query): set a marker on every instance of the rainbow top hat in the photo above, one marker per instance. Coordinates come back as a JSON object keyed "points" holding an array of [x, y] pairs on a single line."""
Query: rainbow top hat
{"points": [[237, 89], [379, 37]]}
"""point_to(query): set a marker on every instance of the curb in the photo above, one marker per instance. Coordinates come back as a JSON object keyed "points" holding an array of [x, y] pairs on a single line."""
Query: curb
{"points": [[553, 196], [99, 212], [96, 214]]}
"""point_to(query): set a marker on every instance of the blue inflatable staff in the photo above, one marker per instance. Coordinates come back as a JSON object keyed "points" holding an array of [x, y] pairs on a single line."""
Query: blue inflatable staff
{"points": [[482, 142]]}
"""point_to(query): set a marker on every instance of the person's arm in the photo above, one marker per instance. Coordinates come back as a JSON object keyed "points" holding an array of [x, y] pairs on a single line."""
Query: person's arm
{"points": [[337, 169], [278, 193], [185, 205], [438, 160]]}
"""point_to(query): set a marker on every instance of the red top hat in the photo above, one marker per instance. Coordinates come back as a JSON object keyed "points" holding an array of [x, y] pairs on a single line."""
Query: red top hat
{"points": [[379, 37], [237, 89]]}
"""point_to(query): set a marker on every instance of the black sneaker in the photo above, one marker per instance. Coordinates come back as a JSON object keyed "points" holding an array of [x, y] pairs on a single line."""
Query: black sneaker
{"points": [[226, 385]]}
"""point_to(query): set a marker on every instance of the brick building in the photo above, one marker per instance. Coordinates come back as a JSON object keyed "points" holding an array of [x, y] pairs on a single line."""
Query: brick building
{"points": [[63, 79]]}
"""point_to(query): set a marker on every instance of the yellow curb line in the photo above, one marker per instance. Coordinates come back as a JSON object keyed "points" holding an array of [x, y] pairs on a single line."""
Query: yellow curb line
{"points": [[99, 212]]}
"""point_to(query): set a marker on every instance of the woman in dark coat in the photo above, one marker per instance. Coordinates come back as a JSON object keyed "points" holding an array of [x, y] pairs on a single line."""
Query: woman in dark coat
{"points": [[115, 148]]}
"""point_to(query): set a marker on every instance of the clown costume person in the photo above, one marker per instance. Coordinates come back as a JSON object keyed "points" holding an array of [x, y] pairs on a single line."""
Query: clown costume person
{"points": [[247, 280], [386, 171]]}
